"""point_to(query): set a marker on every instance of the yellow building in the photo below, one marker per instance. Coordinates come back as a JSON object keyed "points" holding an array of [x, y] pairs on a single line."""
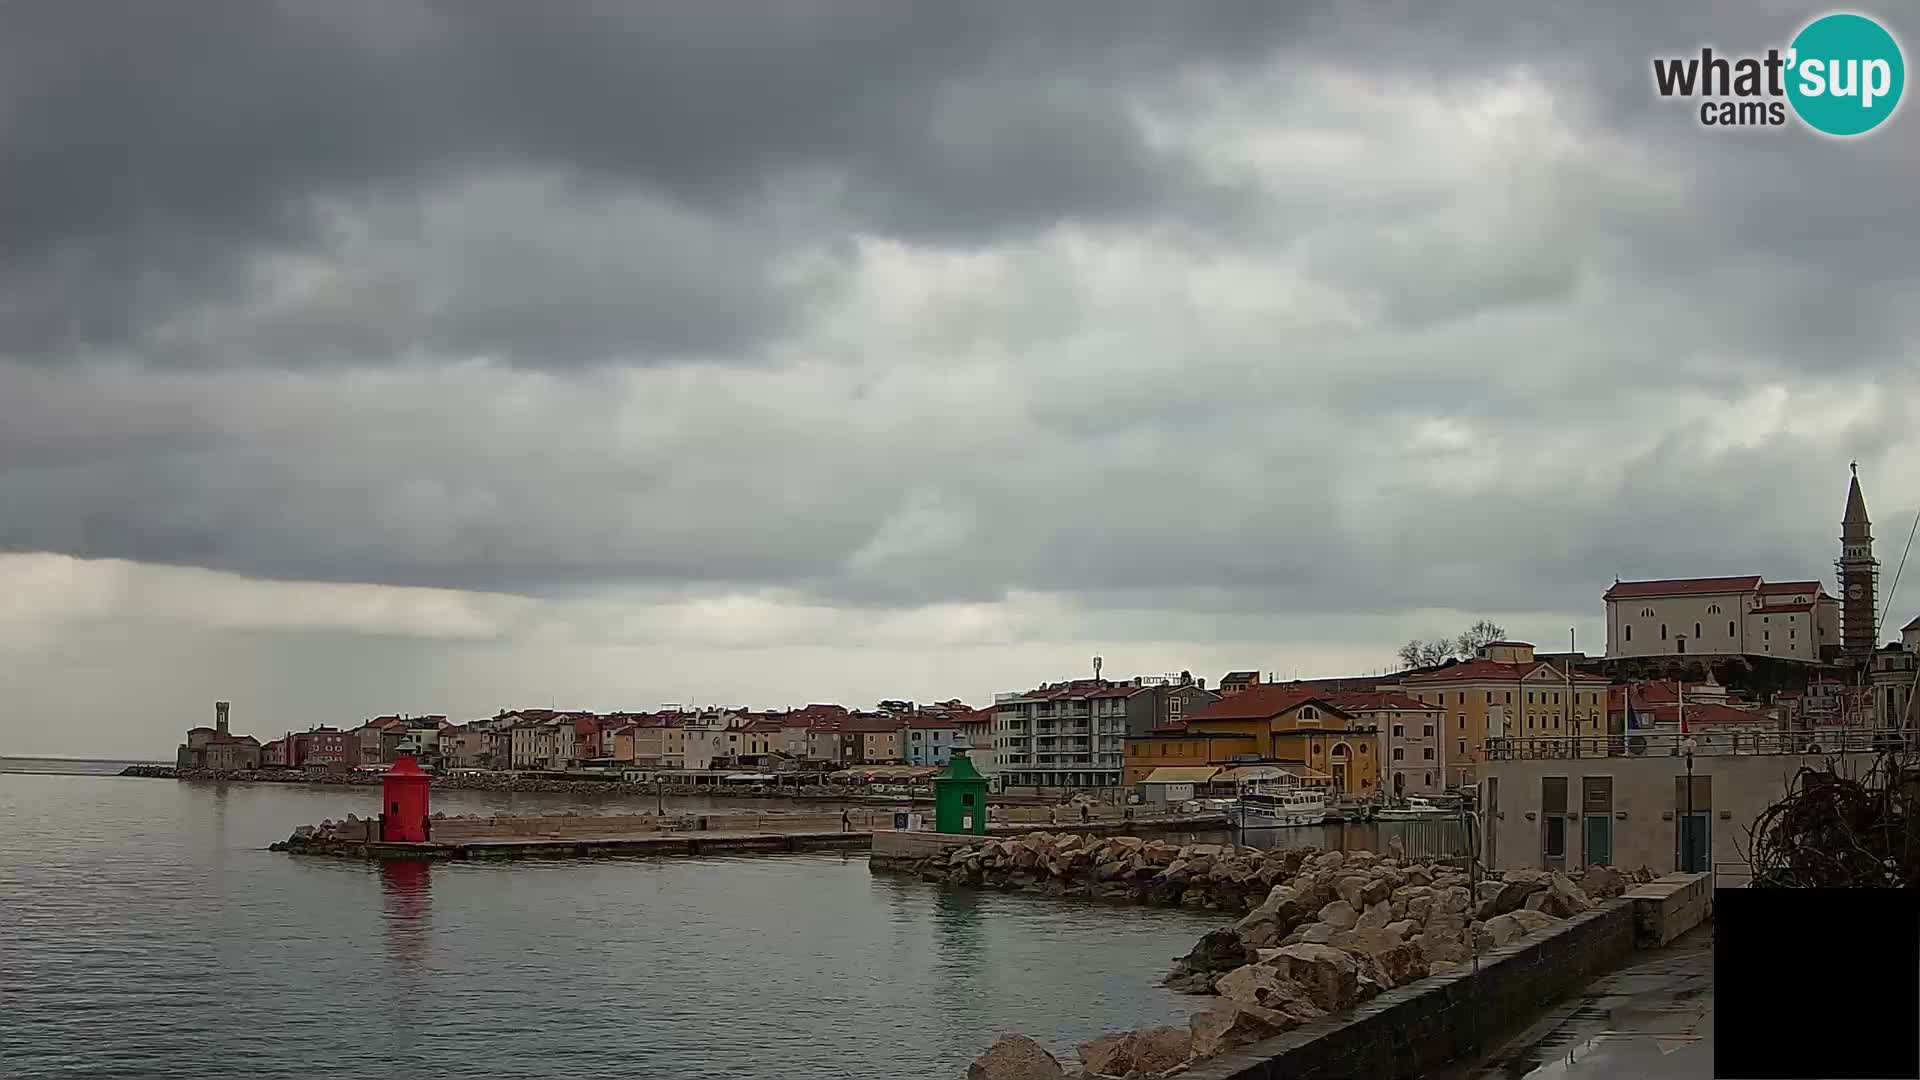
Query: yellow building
{"points": [[1268, 724], [1179, 748], [1506, 692]]}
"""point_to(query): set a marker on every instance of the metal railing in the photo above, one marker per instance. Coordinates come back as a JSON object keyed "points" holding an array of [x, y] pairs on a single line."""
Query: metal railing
{"points": [[1718, 744]]}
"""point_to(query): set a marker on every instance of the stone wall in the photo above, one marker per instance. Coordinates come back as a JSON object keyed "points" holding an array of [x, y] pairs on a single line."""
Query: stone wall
{"points": [[1419, 1027]]}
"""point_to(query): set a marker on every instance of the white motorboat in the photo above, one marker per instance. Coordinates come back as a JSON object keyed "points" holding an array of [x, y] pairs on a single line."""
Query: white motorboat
{"points": [[1416, 809], [1264, 804]]}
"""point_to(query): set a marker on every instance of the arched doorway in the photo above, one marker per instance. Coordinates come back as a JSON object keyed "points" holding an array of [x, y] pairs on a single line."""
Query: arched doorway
{"points": [[1342, 759]]}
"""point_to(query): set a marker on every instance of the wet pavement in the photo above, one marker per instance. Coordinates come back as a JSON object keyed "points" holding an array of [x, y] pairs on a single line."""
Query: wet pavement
{"points": [[1653, 1018]]}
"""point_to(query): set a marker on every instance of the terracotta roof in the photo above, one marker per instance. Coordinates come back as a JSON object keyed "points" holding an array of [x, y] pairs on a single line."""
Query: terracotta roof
{"points": [[926, 723], [1682, 587], [871, 725], [1240, 676], [1375, 700], [202, 727], [1119, 692], [1261, 703], [1790, 587], [1480, 668]]}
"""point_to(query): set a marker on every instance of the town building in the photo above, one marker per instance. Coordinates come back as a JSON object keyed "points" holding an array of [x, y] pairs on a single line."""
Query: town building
{"points": [[1236, 681], [1299, 729], [931, 740], [1727, 616], [320, 748], [1669, 801], [217, 748], [1067, 735], [1409, 738], [1505, 691], [1890, 679]]}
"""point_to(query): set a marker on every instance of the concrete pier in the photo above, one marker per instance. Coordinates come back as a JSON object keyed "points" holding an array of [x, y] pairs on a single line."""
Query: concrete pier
{"points": [[567, 837]]}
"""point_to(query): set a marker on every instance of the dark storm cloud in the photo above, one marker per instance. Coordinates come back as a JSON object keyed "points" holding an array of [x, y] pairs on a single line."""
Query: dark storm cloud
{"points": [[152, 152], [286, 226]]}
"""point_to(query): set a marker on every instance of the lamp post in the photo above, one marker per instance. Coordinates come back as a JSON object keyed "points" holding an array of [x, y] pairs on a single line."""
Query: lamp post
{"points": [[1689, 746]]}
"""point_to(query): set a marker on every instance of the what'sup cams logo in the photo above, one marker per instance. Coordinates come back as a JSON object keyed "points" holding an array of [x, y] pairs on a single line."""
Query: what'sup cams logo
{"points": [[1842, 75]]}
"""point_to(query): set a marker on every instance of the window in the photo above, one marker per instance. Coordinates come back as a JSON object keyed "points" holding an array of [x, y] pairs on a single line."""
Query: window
{"points": [[1429, 779], [1463, 698], [1647, 612], [1509, 697], [1463, 747], [1400, 731], [1766, 635], [1629, 632], [1462, 718], [1363, 748], [1489, 697], [1791, 634], [1556, 699], [1428, 752], [1729, 627], [1713, 609], [1309, 713], [1696, 630], [1663, 631], [1399, 753], [1429, 731]]}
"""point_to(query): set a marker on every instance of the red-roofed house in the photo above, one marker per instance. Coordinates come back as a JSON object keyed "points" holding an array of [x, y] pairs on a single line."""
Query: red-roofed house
{"points": [[1506, 692], [1724, 616], [1299, 728]]}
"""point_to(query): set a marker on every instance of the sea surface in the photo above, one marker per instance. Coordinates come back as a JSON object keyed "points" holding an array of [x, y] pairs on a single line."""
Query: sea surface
{"points": [[145, 931]]}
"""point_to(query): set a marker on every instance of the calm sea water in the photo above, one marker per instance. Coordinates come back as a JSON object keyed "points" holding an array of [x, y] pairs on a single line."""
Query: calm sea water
{"points": [[146, 932]]}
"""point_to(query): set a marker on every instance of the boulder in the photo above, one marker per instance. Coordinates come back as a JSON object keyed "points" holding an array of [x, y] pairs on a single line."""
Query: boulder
{"points": [[1602, 882], [1376, 890], [1318, 933], [1401, 964], [1403, 929], [1263, 985], [1273, 919], [1015, 1057], [1352, 888], [1445, 938], [1376, 917], [1330, 977], [1229, 1024], [1515, 888], [1135, 1053], [1531, 920], [1561, 898], [1327, 860], [1503, 929], [1340, 915], [1219, 950], [1451, 900], [1193, 982]]}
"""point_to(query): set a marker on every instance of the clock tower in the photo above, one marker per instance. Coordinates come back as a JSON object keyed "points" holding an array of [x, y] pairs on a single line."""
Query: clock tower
{"points": [[1859, 575]]}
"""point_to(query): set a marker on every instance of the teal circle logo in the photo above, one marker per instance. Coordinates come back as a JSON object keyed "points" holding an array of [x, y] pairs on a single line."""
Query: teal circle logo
{"points": [[1845, 74]]}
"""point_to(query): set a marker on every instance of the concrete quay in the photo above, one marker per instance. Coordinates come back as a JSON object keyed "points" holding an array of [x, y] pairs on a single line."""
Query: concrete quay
{"points": [[567, 837]]}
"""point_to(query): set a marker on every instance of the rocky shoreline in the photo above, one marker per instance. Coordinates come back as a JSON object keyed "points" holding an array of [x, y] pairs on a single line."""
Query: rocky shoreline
{"points": [[1318, 932], [506, 782]]}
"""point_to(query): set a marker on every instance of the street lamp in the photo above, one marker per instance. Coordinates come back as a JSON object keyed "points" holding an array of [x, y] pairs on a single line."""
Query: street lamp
{"points": [[1690, 745]]}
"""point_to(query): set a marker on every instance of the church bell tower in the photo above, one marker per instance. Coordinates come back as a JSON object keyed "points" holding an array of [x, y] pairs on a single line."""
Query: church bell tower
{"points": [[1859, 575]]}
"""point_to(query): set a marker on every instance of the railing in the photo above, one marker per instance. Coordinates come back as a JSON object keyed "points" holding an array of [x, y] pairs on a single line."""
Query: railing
{"points": [[1719, 744]]}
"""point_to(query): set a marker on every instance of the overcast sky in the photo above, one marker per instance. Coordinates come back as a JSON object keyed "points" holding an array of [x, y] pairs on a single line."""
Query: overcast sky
{"points": [[368, 357]]}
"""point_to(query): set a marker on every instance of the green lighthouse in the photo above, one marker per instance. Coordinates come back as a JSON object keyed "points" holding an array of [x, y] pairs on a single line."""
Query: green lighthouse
{"points": [[960, 798]]}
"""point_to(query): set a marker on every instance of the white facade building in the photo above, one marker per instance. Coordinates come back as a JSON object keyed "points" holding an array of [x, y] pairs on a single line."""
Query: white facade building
{"points": [[1730, 616]]}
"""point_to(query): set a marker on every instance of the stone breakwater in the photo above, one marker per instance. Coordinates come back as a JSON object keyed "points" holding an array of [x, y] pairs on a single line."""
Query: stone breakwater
{"points": [[1322, 933]]}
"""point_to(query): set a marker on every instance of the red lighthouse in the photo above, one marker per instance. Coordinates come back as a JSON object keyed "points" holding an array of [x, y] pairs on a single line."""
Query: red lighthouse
{"points": [[403, 818]]}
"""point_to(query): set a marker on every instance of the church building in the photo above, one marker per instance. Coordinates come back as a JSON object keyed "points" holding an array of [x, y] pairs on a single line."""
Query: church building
{"points": [[1750, 616]]}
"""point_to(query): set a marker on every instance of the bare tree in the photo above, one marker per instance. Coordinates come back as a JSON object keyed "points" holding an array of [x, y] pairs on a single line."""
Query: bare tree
{"points": [[1471, 640], [1420, 654]]}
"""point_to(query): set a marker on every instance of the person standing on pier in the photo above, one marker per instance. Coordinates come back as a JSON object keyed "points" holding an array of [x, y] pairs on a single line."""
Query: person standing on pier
{"points": [[1086, 814], [846, 821]]}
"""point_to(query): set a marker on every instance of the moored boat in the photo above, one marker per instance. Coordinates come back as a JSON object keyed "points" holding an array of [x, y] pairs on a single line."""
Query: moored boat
{"points": [[1264, 804]]}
